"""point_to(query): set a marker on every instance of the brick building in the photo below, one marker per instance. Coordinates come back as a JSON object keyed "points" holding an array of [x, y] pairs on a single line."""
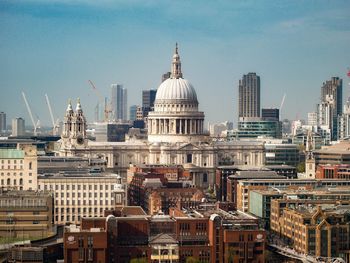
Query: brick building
{"points": [[319, 228], [339, 171], [204, 232]]}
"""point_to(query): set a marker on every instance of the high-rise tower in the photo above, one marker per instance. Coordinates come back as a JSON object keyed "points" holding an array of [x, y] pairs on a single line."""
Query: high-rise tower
{"points": [[332, 96], [249, 96], [2, 122], [119, 102], [18, 127]]}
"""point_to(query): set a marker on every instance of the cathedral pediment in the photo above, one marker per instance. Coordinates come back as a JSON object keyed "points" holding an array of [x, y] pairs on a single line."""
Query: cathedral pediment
{"points": [[189, 147]]}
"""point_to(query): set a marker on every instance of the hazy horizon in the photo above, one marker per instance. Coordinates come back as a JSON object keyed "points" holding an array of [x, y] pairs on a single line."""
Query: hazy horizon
{"points": [[55, 47]]}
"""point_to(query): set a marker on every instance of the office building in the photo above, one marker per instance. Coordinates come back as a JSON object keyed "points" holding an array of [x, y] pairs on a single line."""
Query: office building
{"points": [[26, 214], [2, 122], [331, 104], [238, 192], [132, 112], [335, 154], [340, 171], [320, 228], [87, 243], [18, 127], [260, 200], [166, 76], [312, 118], [19, 167], [255, 127], [204, 232], [119, 102], [344, 123], [249, 96], [148, 98], [279, 152], [272, 114], [82, 194]]}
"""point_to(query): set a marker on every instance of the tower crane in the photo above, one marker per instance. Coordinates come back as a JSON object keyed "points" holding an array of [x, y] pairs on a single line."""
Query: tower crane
{"points": [[36, 124], [281, 106], [55, 125], [107, 109]]}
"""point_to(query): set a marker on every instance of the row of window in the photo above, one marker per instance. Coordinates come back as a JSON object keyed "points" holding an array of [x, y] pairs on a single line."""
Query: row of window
{"points": [[79, 210], [14, 174], [9, 161], [13, 182], [76, 187], [67, 195], [83, 202]]}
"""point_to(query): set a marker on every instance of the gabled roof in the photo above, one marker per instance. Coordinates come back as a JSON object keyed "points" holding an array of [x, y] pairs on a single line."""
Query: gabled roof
{"points": [[163, 239]]}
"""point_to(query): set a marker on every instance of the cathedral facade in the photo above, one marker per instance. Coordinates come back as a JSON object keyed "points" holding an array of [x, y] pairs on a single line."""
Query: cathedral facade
{"points": [[175, 136]]}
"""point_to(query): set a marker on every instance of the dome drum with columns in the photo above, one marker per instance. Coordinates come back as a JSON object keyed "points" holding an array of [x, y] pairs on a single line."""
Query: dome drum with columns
{"points": [[176, 117]]}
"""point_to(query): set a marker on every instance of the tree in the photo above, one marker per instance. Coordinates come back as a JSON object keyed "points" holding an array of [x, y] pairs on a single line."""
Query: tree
{"points": [[192, 260], [139, 260], [301, 168]]}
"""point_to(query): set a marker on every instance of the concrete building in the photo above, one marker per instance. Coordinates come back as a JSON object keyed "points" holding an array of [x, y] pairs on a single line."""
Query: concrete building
{"points": [[249, 96], [260, 200], [82, 195], [19, 167], [243, 187], [335, 154], [344, 123], [26, 214], [18, 127], [3, 127], [312, 119]]}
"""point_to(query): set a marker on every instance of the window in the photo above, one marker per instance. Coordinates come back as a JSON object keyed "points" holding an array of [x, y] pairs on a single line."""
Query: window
{"points": [[30, 166], [205, 178], [189, 158]]}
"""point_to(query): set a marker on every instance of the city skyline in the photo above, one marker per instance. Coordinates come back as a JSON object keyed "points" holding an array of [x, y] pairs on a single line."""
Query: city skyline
{"points": [[56, 47]]}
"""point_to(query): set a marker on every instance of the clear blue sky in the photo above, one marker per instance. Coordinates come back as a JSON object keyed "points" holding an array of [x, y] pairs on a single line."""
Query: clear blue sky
{"points": [[56, 46]]}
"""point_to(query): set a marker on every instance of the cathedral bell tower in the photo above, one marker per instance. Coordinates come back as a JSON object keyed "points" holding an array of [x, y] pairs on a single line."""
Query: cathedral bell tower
{"points": [[74, 130]]}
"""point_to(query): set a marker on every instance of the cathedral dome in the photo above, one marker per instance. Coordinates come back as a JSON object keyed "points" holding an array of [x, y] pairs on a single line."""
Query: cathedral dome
{"points": [[176, 89]]}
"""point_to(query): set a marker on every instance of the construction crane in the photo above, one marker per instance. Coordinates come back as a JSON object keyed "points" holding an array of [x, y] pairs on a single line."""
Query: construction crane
{"points": [[55, 124], [36, 124], [281, 106], [108, 109]]}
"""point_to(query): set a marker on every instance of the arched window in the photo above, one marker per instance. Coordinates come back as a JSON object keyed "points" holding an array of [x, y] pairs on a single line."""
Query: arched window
{"points": [[8, 181], [21, 181]]}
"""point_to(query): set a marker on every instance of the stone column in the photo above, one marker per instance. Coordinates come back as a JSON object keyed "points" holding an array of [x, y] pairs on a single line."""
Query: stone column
{"points": [[190, 126], [180, 126], [185, 126]]}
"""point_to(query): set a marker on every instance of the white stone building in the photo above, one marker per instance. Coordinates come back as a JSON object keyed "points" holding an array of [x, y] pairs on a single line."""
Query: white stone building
{"points": [[18, 167], [175, 136], [86, 195]]}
